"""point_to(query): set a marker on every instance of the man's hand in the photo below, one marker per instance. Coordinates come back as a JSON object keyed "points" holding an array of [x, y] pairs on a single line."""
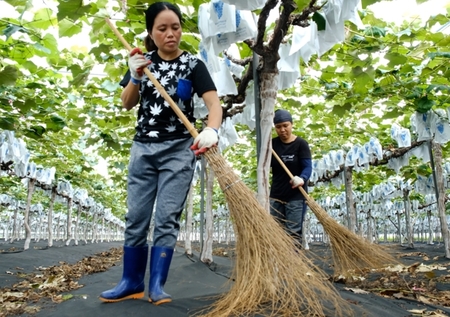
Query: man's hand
{"points": [[136, 63], [206, 139], [297, 181]]}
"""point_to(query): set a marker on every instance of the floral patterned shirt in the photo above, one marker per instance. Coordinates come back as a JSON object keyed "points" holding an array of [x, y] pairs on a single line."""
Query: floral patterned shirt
{"points": [[156, 120]]}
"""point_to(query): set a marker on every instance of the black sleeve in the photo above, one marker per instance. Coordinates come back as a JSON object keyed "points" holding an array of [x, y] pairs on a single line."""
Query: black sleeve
{"points": [[304, 152], [125, 79], [201, 80]]}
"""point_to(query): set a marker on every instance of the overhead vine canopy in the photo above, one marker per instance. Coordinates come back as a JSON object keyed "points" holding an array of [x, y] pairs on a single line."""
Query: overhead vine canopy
{"points": [[382, 72]]}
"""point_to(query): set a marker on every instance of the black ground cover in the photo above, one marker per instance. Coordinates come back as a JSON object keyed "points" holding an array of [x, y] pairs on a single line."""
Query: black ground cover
{"points": [[421, 289]]}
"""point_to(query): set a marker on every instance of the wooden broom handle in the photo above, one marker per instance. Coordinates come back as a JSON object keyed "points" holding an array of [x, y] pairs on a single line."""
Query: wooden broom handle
{"points": [[288, 172], [158, 86]]}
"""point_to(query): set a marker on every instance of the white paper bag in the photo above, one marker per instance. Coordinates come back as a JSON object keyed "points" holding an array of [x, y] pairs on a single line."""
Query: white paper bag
{"points": [[247, 4], [234, 68], [421, 123], [223, 80], [218, 43], [227, 134], [215, 18], [208, 56], [245, 26], [334, 32], [288, 67]]}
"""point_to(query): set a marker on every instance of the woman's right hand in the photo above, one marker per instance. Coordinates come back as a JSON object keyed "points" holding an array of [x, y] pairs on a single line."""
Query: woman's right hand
{"points": [[136, 63]]}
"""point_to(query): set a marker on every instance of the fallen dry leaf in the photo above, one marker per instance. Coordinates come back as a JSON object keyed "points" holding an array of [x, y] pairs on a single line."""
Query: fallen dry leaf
{"points": [[356, 290], [398, 295]]}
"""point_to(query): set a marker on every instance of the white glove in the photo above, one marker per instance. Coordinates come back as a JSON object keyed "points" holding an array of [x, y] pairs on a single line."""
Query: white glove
{"points": [[206, 139], [136, 63], [297, 181]]}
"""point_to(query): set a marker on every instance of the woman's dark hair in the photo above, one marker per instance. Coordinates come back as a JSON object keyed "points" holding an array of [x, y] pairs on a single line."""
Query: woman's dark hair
{"points": [[149, 44], [150, 15]]}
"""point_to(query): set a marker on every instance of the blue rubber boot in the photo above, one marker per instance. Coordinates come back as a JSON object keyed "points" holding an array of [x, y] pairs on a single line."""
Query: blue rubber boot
{"points": [[132, 285], [160, 258]]}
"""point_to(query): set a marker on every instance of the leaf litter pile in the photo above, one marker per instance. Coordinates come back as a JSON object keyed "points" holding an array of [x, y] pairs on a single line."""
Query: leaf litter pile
{"points": [[51, 283], [426, 281]]}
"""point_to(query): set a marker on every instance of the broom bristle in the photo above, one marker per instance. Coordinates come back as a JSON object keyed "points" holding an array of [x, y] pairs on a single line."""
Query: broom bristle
{"points": [[271, 276], [350, 251]]}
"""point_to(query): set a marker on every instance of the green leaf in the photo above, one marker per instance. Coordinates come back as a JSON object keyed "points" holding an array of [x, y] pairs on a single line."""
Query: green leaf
{"points": [[301, 4], [415, 94], [67, 297], [395, 59], [43, 49], [43, 19], [331, 86], [25, 106], [406, 31], [362, 80], [394, 113], [79, 76], [366, 3], [110, 86], [375, 31], [423, 104], [341, 110], [55, 123], [358, 39], [8, 76], [320, 21], [197, 3], [11, 29], [68, 28], [387, 80], [318, 126], [110, 141], [72, 9], [433, 55], [19, 5], [30, 66], [437, 88], [100, 49], [35, 132], [50, 43], [7, 123]]}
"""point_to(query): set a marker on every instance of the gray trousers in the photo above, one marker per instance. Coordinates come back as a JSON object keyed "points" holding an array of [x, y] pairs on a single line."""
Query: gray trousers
{"points": [[290, 215], [159, 178]]}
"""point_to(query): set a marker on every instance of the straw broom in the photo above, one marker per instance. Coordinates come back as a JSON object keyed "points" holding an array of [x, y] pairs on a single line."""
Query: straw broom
{"points": [[350, 251], [271, 277]]}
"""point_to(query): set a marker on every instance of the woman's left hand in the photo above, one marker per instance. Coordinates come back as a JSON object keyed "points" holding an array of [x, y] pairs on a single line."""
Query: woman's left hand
{"points": [[206, 139]]}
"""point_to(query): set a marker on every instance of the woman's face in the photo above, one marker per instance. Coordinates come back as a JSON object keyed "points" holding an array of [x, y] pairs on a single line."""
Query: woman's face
{"points": [[166, 32], [284, 130]]}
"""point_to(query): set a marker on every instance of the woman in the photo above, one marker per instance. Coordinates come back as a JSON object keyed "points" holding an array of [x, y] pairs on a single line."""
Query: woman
{"points": [[162, 157], [286, 201]]}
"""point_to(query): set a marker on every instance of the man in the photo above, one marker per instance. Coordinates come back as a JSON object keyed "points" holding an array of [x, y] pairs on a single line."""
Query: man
{"points": [[287, 203]]}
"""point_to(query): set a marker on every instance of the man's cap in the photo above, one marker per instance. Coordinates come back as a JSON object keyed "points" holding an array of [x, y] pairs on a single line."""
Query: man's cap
{"points": [[282, 115]]}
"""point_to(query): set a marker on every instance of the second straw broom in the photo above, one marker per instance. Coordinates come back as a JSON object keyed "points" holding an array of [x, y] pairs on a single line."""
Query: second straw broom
{"points": [[350, 251]]}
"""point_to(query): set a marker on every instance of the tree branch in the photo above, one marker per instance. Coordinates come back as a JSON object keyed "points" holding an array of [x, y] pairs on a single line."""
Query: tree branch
{"points": [[258, 46], [302, 19], [394, 153]]}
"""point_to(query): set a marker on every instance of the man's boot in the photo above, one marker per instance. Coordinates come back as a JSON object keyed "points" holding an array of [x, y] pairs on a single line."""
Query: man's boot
{"points": [[160, 258], [132, 285]]}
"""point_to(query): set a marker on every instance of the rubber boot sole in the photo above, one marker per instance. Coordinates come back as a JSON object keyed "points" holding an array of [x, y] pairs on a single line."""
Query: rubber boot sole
{"points": [[161, 301], [132, 296]]}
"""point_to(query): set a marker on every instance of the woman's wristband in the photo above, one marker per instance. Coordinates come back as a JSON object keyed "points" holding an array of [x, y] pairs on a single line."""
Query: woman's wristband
{"points": [[135, 81]]}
